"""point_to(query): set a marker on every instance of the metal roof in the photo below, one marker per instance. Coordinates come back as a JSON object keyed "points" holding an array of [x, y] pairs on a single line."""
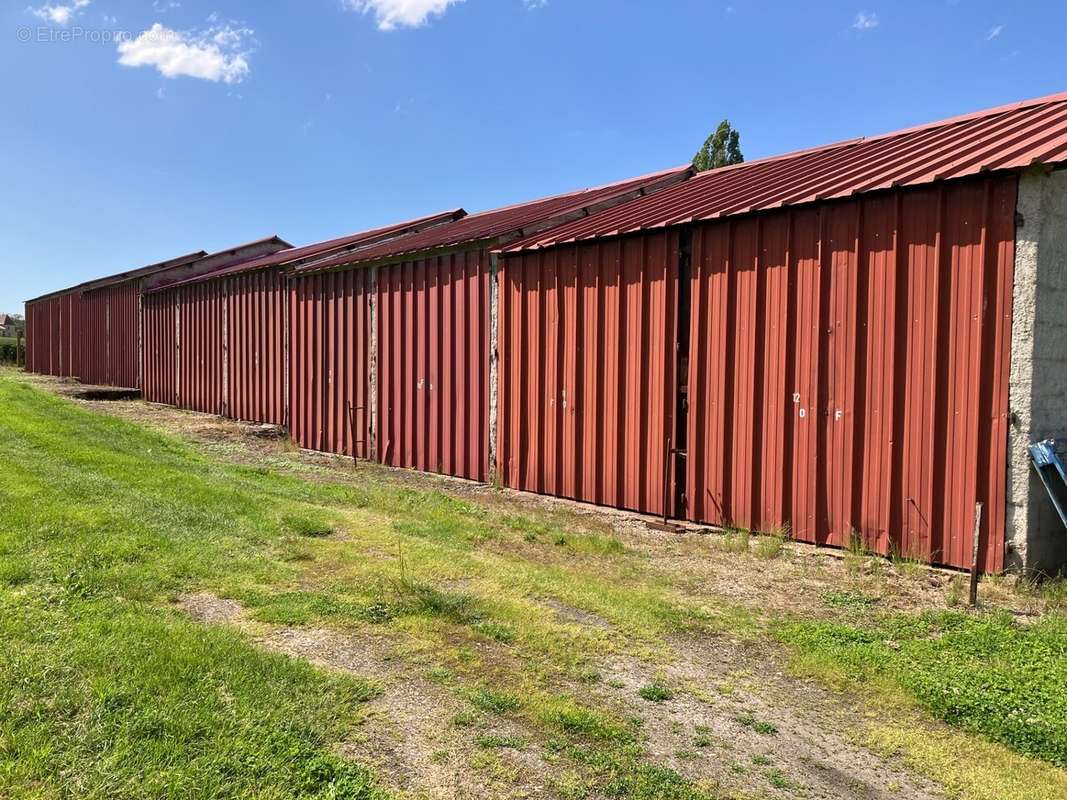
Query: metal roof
{"points": [[511, 221], [324, 249], [122, 277], [1004, 138]]}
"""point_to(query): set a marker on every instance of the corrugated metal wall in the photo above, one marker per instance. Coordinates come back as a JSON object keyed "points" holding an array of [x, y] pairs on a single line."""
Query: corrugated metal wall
{"points": [[124, 334], [39, 337], [256, 339], [92, 336], [160, 350], [587, 370], [199, 356], [433, 364], [329, 346], [432, 391], [193, 332], [92, 364], [848, 370], [845, 365]]}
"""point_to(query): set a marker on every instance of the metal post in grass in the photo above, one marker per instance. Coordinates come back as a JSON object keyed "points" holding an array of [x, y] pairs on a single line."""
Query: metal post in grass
{"points": [[975, 541], [352, 434]]}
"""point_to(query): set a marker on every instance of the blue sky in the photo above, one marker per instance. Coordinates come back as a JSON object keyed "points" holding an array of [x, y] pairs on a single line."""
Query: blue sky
{"points": [[230, 119]]}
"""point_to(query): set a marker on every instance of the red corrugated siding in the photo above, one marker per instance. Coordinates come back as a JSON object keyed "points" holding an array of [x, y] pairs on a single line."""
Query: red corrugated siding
{"points": [[92, 336], [199, 354], [587, 370], [848, 370], [433, 364], [92, 347], [329, 341], [256, 331], [159, 348], [124, 328], [38, 337], [192, 329]]}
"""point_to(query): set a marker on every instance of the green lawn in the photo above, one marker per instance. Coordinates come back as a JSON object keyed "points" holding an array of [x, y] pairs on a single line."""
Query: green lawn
{"points": [[109, 690]]}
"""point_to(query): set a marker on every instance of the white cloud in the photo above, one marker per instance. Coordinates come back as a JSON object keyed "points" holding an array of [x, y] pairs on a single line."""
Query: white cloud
{"points": [[393, 14], [60, 14], [217, 54], [994, 32], [163, 6], [533, 5], [865, 20]]}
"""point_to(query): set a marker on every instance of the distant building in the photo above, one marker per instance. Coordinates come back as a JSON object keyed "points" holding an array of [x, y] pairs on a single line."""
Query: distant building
{"points": [[9, 326]]}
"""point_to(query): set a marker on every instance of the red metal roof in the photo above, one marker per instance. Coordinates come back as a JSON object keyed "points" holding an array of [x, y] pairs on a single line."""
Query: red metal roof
{"points": [[323, 249], [490, 226], [1003, 138], [122, 277]]}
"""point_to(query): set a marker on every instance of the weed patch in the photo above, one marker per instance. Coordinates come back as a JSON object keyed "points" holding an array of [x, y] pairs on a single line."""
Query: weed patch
{"points": [[495, 702], [655, 692], [758, 725]]}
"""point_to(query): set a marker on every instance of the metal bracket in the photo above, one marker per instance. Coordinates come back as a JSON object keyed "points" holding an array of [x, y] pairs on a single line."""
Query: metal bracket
{"points": [[1050, 460]]}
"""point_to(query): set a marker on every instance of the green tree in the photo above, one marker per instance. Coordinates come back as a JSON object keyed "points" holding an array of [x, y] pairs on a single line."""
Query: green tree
{"points": [[720, 149]]}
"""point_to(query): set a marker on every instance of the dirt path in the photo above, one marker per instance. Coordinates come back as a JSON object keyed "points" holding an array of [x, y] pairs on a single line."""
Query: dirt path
{"points": [[735, 722], [411, 737]]}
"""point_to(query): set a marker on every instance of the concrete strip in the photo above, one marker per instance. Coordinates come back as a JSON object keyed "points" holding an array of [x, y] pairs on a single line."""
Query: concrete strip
{"points": [[1037, 541]]}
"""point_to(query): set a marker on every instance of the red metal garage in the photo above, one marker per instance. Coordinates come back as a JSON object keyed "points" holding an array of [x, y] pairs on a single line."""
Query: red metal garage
{"points": [[92, 331], [427, 311], [217, 342], [823, 335]]}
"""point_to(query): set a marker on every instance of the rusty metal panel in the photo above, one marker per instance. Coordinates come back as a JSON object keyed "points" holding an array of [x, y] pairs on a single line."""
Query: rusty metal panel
{"points": [[520, 219], [433, 364], [587, 380], [329, 346]]}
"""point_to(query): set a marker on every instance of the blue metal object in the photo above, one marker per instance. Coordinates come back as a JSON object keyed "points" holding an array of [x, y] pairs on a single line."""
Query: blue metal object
{"points": [[1050, 461]]}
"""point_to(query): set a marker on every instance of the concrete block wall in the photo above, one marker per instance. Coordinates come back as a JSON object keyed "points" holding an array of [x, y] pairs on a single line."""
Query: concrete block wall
{"points": [[1037, 539]]}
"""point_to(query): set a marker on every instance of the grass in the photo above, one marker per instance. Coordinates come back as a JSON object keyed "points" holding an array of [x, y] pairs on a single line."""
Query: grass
{"points": [[758, 725], [655, 692], [735, 540], [495, 702], [103, 523], [110, 691], [101, 695], [983, 673], [849, 599]]}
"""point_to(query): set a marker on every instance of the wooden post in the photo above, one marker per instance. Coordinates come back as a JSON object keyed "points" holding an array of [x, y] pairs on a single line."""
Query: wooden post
{"points": [[975, 540]]}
